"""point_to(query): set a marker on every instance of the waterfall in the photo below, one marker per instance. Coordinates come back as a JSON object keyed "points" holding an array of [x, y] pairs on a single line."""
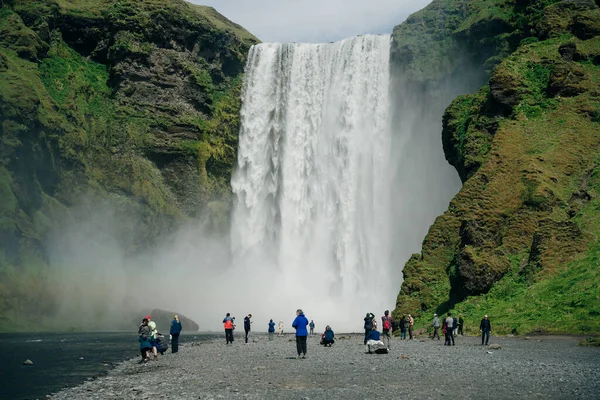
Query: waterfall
{"points": [[311, 224]]}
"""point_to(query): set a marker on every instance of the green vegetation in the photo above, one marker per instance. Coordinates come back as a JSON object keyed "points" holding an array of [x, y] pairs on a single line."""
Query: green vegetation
{"points": [[132, 104], [520, 240], [591, 341]]}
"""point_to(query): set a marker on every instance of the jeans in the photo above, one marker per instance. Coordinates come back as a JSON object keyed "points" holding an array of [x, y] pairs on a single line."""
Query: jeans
{"points": [[229, 335], [247, 333], [271, 334], [435, 332], [449, 337], [366, 335], [301, 344], [485, 335], [175, 343], [386, 337], [403, 334]]}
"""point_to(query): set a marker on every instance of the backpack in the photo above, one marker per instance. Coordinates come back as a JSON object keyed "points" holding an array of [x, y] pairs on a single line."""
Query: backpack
{"points": [[386, 324]]}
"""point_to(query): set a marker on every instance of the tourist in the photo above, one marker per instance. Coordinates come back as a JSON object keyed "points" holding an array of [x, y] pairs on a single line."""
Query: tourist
{"points": [[444, 330], [153, 336], [386, 326], [402, 326], [449, 326], [455, 326], [368, 325], [411, 324], [271, 330], [144, 333], [280, 328], [312, 327], [486, 328], [461, 323], [247, 324], [436, 326], [328, 337], [228, 325], [300, 323], [374, 343], [174, 332]]}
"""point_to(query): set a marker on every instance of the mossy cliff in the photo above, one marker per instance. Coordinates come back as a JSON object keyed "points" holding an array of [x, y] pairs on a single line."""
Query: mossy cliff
{"points": [[129, 103], [521, 240]]}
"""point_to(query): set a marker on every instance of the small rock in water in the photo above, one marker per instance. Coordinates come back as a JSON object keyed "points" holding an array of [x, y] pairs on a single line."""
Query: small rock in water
{"points": [[494, 346], [81, 358], [27, 362]]}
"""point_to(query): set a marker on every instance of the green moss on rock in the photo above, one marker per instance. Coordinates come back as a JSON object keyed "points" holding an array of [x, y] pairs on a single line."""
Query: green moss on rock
{"points": [[522, 232], [107, 105]]}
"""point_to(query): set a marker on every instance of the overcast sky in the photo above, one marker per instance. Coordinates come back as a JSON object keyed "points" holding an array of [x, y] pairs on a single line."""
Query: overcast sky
{"points": [[315, 20]]}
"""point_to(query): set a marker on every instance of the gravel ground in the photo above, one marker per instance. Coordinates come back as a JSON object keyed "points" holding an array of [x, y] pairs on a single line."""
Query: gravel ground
{"points": [[524, 368]]}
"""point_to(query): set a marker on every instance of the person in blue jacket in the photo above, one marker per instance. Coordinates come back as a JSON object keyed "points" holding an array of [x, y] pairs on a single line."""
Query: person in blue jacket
{"points": [[328, 337], [374, 334], [175, 331], [271, 330], [300, 324]]}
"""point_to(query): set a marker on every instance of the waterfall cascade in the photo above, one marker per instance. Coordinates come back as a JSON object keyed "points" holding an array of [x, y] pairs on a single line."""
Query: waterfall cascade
{"points": [[312, 219]]}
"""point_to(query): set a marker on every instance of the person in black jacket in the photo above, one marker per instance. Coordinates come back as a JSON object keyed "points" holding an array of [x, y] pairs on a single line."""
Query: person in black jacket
{"points": [[461, 323], [247, 323], [368, 325], [402, 326], [486, 328], [174, 332]]}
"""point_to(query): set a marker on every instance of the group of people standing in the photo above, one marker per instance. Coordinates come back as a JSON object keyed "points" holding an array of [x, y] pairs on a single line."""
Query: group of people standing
{"points": [[229, 325], [452, 327], [378, 342], [300, 325], [151, 340]]}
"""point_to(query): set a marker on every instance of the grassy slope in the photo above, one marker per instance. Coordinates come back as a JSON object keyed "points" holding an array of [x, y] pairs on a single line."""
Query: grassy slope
{"points": [[74, 133], [519, 242]]}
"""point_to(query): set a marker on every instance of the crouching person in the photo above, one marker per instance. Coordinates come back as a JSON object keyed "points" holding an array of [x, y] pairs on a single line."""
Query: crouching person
{"points": [[327, 339], [374, 343]]}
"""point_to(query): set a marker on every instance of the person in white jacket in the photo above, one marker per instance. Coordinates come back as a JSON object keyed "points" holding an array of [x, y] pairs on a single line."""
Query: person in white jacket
{"points": [[280, 328]]}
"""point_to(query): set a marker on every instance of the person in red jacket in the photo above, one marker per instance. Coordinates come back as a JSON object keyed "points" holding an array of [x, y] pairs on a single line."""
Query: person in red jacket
{"points": [[386, 326], [228, 325]]}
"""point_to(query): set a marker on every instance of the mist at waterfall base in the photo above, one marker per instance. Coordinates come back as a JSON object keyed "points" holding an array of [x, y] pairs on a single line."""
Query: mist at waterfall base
{"points": [[335, 188]]}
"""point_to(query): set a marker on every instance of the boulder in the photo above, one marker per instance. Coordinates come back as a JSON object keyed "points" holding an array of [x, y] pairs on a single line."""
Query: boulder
{"points": [[494, 346], [27, 362], [163, 320]]}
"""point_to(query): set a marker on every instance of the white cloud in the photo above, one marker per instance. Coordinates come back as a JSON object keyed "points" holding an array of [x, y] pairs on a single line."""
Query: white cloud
{"points": [[315, 20]]}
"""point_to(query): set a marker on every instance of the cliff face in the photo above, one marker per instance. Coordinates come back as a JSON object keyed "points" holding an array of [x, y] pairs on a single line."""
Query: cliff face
{"points": [[520, 240], [129, 105]]}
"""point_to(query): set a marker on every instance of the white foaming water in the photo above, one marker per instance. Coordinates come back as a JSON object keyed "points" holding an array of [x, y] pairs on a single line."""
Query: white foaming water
{"points": [[312, 222]]}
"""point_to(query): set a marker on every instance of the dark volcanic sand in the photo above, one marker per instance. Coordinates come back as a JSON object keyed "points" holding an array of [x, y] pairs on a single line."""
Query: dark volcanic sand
{"points": [[538, 368]]}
